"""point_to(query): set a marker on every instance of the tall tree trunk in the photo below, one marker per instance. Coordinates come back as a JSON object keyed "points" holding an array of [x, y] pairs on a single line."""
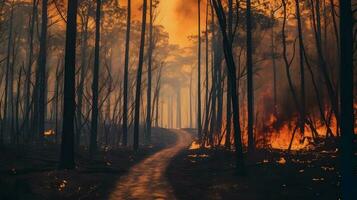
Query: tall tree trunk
{"points": [[67, 146], [29, 65], [11, 88], [191, 124], [285, 57], [346, 96], [218, 57], [41, 76], [126, 76], [229, 96], [7, 78], [94, 124], [157, 105], [214, 87], [321, 60], [17, 106], [155, 102], [302, 69], [178, 108], [207, 77], [150, 54], [250, 91], [335, 28], [56, 99], [227, 47], [199, 121], [138, 78], [80, 93], [275, 92]]}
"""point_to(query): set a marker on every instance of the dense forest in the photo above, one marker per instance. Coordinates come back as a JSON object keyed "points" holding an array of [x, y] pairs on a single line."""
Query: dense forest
{"points": [[195, 99]]}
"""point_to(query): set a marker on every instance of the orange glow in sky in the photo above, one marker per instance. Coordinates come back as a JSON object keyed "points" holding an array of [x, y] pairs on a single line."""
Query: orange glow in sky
{"points": [[179, 21], [179, 17]]}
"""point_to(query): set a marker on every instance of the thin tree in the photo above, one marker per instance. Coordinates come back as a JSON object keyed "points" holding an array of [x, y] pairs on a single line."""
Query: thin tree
{"points": [[346, 96], [207, 72], [228, 52], [178, 108], [67, 146], [29, 64], [83, 71], [41, 73], [126, 75], [138, 78], [229, 103], [302, 68], [250, 78], [190, 94], [331, 90], [273, 58], [199, 125], [94, 124], [7, 77], [150, 55]]}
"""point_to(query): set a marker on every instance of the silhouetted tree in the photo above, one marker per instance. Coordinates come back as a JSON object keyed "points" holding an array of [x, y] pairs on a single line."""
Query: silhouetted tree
{"points": [[67, 146], [138, 78], [346, 98], [206, 122], [250, 79], [126, 75], [94, 127], [40, 86], [199, 120], [302, 68], [7, 77], [28, 104], [228, 52], [150, 57]]}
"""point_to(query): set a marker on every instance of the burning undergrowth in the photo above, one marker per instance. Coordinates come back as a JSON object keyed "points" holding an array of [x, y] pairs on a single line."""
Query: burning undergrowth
{"points": [[282, 127]]}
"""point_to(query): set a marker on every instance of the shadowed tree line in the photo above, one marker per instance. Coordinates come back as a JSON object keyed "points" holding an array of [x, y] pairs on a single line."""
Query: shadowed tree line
{"points": [[69, 74]]}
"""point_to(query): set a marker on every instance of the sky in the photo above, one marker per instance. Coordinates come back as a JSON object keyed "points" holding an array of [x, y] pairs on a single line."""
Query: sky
{"points": [[179, 17]]}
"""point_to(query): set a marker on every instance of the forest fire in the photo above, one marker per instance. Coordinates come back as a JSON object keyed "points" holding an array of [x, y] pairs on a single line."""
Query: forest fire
{"points": [[194, 145], [172, 99], [287, 135], [49, 133], [281, 139]]}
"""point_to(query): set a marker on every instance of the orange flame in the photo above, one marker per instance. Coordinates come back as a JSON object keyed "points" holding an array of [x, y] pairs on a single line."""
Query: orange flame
{"points": [[49, 133]]}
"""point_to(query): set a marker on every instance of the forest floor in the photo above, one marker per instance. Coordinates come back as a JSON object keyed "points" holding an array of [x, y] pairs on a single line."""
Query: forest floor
{"points": [[31, 172], [147, 180], [211, 174]]}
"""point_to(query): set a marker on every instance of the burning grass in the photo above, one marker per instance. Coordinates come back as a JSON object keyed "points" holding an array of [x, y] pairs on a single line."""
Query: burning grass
{"points": [[274, 133]]}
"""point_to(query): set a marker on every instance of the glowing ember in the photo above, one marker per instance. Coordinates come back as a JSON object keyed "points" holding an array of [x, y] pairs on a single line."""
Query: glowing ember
{"points": [[62, 185], [194, 145], [198, 156], [327, 168], [282, 161], [318, 179], [49, 133]]}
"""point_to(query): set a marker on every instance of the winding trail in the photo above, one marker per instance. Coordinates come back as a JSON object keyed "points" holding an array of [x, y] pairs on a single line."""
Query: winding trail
{"points": [[147, 180]]}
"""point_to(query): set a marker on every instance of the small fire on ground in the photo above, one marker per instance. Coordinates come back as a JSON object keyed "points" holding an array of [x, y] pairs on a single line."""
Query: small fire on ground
{"points": [[49, 133]]}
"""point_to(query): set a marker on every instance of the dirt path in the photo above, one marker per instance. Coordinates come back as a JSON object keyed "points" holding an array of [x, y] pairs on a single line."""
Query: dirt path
{"points": [[147, 180]]}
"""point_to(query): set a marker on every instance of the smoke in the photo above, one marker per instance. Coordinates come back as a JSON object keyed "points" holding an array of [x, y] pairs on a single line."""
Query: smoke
{"points": [[186, 10]]}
